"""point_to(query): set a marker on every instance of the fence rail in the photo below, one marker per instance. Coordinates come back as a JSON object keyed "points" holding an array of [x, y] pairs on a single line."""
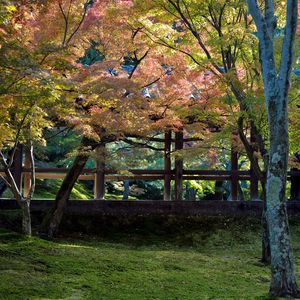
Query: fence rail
{"points": [[150, 175], [176, 173]]}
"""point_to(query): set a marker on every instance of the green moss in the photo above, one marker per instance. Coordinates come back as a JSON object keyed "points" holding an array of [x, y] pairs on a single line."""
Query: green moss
{"points": [[111, 196], [79, 192], [49, 190], [220, 263]]}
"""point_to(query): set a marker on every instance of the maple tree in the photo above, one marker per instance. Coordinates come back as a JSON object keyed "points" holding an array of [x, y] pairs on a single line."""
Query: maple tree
{"points": [[217, 36], [35, 89], [27, 97], [45, 65], [104, 105], [125, 70], [110, 104]]}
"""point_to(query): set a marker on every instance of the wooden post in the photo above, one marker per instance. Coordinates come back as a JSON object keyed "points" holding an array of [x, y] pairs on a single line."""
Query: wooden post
{"points": [[178, 166], [99, 182], [253, 177], [234, 168], [17, 166], [27, 175], [167, 166]]}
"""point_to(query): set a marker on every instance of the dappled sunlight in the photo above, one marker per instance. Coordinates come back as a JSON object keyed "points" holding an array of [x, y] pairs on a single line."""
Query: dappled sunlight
{"points": [[92, 266], [149, 149], [75, 246]]}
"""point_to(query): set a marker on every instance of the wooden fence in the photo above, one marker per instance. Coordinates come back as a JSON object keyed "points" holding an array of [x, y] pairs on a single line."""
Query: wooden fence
{"points": [[21, 172]]}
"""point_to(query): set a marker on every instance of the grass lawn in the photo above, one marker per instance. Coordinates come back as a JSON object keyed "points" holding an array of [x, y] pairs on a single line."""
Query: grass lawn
{"points": [[223, 264]]}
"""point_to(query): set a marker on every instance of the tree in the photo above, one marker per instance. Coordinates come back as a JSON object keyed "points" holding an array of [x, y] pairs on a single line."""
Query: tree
{"points": [[111, 103], [30, 95], [276, 87], [169, 80], [215, 37], [10, 180]]}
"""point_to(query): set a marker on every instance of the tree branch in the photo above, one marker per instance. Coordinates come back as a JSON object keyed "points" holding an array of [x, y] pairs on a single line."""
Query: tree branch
{"points": [[137, 63], [287, 45], [10, 179], [79, 24], [195, 34], [66, 23], [249, 149], [32, 172], [142, 145], [269, 15], [256, 13]]}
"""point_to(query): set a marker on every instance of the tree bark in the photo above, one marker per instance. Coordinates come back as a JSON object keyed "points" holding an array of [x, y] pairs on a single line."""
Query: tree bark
{"points": [[26, 218], [276, 86], [283, 282], [266, 248], [99, 182], [167, 165], [178, 165], [53, 218], [64, 193], [13, 181]]}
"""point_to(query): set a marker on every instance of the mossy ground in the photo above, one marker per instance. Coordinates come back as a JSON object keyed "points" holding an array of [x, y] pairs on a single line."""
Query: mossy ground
{"points": [[47, 189], [188, 262]]}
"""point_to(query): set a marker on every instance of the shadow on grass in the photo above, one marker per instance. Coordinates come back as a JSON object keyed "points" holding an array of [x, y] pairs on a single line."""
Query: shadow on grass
{"points": [[8, 236]]}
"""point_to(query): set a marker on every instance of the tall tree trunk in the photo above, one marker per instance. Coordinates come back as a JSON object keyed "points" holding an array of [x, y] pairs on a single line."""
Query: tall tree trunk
{"points": [[283, 274], [53, 219], [283, 282]]}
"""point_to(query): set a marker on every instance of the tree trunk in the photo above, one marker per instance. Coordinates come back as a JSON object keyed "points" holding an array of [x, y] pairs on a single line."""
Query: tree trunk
{"points": [[219, 191], [167, 165], [13, 180], [178, 165], [266, 250], [258, 145], [265, 242], [53, 219], [99, 182], [64, 193], [276, 87], [26, 218], [283, 282]]}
